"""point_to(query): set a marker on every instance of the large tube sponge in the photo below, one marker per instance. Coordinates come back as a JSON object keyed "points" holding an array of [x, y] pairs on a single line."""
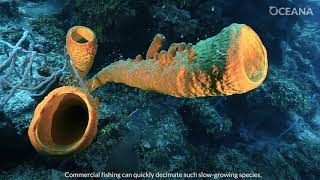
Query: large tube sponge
{"points": [[82, 47], [64, 122], [232, 62]]}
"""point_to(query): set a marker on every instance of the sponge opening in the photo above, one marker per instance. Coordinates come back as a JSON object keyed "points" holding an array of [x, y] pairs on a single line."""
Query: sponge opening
{"points": [[82, 35]]}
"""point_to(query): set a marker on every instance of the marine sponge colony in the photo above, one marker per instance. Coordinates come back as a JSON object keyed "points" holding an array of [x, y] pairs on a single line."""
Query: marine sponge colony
{"points": [[232, 62]]}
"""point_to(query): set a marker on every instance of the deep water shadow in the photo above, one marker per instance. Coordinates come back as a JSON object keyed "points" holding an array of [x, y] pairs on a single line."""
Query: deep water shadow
{"points": [[15, 148], [196, 131]]}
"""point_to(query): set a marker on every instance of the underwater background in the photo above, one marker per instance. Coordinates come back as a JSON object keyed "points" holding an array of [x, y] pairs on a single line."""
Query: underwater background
{"points": [[273, 130]]}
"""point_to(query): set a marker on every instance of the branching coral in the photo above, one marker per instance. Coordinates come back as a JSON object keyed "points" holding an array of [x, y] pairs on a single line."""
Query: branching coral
{"points": [[16, 71], [232, 62]]}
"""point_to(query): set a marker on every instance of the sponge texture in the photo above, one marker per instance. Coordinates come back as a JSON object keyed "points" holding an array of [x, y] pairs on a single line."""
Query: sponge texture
{"points": [[82, 47], [64, 122], [232, 62]]}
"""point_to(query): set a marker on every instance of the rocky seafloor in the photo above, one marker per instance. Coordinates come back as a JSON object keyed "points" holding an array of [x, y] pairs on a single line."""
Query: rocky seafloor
{"points": [[273, 130]]}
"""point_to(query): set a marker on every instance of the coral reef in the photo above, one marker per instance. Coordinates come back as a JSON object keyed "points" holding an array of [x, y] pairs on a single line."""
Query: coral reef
{"points": [[272, 132], [17, 73], [47, 68], [18, 108], [8, 8], [50, 29], [147, 136], [111, 12], [245, 68], [27, 172], [175, 23], [41, 8], [283, 94], [205, 117]]}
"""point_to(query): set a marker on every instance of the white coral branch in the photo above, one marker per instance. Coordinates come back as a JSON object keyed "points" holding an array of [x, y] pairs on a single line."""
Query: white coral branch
{"points": [[10, 70]]}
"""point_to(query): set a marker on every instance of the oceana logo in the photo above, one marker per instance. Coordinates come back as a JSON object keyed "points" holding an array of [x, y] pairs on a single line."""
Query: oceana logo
{"points": [[287, 11]]}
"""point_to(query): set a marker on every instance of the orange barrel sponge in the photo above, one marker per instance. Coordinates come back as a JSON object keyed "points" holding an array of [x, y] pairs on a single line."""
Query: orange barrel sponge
{"points": [[64, 122], [232, 62], [82, 47]]}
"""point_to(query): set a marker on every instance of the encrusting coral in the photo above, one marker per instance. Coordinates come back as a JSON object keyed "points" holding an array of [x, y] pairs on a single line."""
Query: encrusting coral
{"points": [[232, 62]]}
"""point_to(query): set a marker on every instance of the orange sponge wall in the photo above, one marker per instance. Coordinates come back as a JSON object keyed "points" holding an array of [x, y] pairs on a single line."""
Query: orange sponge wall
{"points": [[82, 47]]}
